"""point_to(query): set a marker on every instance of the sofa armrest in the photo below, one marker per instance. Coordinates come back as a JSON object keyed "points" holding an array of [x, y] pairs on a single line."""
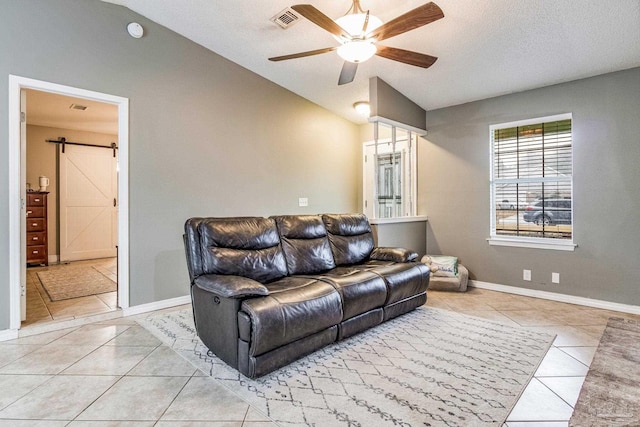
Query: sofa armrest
{"points": [[230, 286], [393, 254]]}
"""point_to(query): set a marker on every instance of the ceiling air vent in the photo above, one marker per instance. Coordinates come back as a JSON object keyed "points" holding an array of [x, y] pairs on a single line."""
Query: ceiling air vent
{"points": [[78, 107], [285, 18]]}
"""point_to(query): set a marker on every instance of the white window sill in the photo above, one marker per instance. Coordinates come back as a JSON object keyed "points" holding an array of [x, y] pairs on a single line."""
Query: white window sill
{"points": [[533, 243], [398, 220]]}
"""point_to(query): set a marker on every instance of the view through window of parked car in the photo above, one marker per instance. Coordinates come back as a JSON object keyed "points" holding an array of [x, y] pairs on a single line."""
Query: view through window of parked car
{"points": [[532, 180]]}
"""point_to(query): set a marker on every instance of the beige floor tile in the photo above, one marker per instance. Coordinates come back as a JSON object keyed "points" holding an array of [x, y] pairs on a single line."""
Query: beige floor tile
{"points": [[12, 352], [163, 361], [13, 387], [194, 403], [568, 336], [135, 398], [135, 336], [533, 317], [559, 364], [568, 388], [60, 398], [539, 424], [583, 354], [109, 360], [538, 403], [259, 424], [32, 423], [595, 331], [254, 415], [47, 360], [109, 298], [112, 424], [507, 304], [77, 307], [467, 304], [201, 424], [41, 339], [91, 335]]}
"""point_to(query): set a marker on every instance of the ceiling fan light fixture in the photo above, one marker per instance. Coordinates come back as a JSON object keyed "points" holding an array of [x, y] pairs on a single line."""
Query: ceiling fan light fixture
{"points": [[357, 50], [353, 24], [363, 108]]}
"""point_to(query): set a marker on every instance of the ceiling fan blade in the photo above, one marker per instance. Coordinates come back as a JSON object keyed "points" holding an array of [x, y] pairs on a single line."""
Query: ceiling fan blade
{"points": [[411, 20], [406, 56], [348, 73], [320, 19], [302, 54]]}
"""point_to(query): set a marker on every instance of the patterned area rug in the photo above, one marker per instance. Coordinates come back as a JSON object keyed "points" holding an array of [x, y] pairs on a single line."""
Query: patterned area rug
{"points": [[429, 367], [610, 395], [73, 281]]}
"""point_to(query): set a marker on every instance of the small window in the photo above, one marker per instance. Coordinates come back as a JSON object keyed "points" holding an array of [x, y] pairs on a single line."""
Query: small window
{"points": [[532, 181], [389, 166]]}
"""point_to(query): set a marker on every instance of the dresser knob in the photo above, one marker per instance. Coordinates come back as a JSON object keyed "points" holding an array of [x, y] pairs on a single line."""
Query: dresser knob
{"points": [[35, 224], [35, 238], [35, 252]]}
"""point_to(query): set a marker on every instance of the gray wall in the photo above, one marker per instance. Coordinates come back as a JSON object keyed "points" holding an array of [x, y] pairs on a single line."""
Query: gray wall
{"points": [[387, 102], [207, 137], [454, 188], [409, 235]]}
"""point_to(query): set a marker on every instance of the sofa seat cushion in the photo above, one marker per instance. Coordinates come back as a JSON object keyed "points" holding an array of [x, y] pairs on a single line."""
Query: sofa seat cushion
{"points": [[295, 308], [360, 290], [403, 280]]}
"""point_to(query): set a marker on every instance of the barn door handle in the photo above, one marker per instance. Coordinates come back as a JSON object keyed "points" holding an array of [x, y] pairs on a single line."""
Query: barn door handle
{"points": [[114, 202]]}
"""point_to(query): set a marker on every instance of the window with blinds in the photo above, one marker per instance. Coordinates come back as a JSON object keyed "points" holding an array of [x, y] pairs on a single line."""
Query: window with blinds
{"points": [[531, 179]]}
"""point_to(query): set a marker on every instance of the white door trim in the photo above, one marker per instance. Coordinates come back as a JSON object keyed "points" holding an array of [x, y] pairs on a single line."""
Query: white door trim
{"points": [[16, 198]]}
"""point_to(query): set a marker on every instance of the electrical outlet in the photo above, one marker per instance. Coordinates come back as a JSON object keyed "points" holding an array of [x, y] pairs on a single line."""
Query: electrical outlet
{"points": [[526, 275], [303, 201], [555, 277]]}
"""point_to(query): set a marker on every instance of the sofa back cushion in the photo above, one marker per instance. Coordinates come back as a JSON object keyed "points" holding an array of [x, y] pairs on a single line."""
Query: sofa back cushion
{"points": [[247, 246], [350, 237], [305, 244]]}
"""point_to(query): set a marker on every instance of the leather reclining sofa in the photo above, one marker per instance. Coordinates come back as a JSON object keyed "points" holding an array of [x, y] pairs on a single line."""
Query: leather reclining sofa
{"points": [[267, 291]]}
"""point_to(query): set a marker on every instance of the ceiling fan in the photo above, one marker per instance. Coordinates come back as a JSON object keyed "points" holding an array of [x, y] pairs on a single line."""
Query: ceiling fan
{"points": [[359, 33]]}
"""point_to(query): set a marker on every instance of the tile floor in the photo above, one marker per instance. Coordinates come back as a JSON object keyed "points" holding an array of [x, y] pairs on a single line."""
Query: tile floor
{"points": [[40, 308], [115, 373]]}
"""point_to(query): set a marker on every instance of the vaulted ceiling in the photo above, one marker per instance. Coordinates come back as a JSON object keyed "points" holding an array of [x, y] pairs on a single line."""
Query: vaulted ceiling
{"points": [[485, 48]]}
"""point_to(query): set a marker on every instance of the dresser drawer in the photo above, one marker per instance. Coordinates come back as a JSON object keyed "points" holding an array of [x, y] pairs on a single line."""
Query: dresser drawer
{"points": [[35, 224], [35, 200], [35, 212], [36, 238], [35, 253]]}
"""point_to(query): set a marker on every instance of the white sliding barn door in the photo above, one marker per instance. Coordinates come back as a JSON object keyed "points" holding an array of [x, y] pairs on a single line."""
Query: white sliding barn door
{"points": [[88, 212]]}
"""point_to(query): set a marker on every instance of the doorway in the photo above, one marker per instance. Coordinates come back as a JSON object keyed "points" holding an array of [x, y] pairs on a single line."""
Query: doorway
{"points": [[116, 220]]}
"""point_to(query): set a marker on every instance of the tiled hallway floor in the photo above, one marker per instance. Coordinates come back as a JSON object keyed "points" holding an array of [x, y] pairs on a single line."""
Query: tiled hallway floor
{"points": [[40, 308], [115, 373]]}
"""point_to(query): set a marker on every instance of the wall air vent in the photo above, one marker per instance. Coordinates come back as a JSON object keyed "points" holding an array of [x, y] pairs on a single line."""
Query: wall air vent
{"points": [[285, 18], [78, 107]]}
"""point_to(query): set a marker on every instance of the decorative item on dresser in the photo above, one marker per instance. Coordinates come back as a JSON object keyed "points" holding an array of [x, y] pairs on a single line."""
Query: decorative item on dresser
{"points": [[37, 247]]}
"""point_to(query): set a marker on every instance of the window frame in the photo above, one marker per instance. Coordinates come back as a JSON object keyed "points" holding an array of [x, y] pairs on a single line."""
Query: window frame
{"points": [[527, 241], [370, 189]]}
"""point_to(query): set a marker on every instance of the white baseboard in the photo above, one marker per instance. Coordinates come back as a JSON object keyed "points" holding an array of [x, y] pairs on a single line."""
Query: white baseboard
{"points": [[158, 305], [570, 299], [8, 334]]}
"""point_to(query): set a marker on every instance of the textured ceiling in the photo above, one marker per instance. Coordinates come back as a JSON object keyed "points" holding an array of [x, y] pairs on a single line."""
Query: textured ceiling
{"points": [[485, 48]]}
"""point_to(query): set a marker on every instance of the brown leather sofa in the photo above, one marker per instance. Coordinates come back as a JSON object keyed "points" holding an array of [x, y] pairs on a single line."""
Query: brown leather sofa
{"points": [[267, 291]]}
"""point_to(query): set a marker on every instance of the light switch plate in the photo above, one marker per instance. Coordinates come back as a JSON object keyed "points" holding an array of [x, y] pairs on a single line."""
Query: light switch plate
{"points": [[555, 277], [303, 201], [526, 275]]}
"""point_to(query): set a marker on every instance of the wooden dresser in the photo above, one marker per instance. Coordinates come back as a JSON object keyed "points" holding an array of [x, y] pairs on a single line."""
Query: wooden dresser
{"points": [[37, 248]]}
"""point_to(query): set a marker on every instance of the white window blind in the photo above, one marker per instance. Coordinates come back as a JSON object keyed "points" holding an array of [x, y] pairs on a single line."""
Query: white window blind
{"points": [[532, 179]]}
